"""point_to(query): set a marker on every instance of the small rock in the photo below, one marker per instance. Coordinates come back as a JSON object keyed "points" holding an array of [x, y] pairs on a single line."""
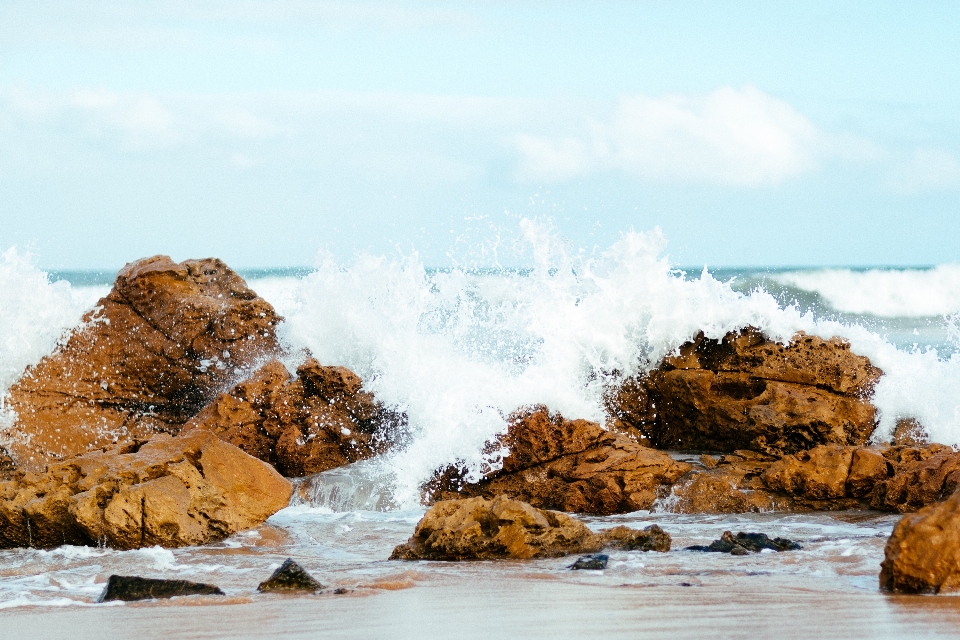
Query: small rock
{"points": [[596, 562], [652, 538], [290, 577], [130, 588], [744, 543]]}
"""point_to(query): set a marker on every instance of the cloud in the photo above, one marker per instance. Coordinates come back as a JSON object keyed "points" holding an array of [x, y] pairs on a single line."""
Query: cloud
{"points": [[740, 137], [927, 169]]}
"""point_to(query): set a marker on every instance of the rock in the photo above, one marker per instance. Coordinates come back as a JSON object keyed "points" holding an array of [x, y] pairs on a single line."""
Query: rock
{"points": [[909, 432], [130, 588], [819, 474], [923, 553], [868, 468], [172, 492], [748, 392], [156, 349], [481, 529], [745, 543], [651, 538], [290, 577], [568, 465], [595, 562], [922, 476], [319, 420]]}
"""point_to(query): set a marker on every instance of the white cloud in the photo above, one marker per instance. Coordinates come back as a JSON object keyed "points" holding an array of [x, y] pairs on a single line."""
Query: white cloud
{"points": [[927, 169], [731, 136]]}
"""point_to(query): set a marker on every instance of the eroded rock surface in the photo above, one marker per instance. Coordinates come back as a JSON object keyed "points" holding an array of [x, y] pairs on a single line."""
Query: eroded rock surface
{"points": [[173, 492], [923, 553], [319, 419], [289, 577], [569, 465], [744, 543], [132, 588], [748, 392], [155, 350]]}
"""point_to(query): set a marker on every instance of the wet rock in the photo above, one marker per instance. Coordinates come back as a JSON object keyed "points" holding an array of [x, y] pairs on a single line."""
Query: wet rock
{"points": [[921, 476], [172, 492], [744, 543], [130, 588], [155, 350], [568, 465], [909, 432], [923, 553], [726, 484], [819, 474], [290, 577], [748, 392], [868, 468], [595, 562], [481, 529], [318, 420], [651, 538]]}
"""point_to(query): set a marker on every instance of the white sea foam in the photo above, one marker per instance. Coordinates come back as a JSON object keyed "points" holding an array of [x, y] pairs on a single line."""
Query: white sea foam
{"points": [[905, 293]]}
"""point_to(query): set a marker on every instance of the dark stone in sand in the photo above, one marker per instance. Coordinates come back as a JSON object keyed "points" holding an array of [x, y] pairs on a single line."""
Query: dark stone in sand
{"points": [[651, 538], [290, 577], [597, 561], [744, 543], [131, 588]]}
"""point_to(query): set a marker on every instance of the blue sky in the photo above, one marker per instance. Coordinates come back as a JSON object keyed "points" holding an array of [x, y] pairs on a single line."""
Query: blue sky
{"points": [[263, 132]]}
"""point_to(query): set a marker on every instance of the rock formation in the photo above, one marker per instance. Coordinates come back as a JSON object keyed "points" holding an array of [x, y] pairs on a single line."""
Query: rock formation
{"points": [[748, 392], [319, 420], [923, 553], [131, 588], [569, 465], [744, 543], [157, 348], [290, 576], [172, 492]]}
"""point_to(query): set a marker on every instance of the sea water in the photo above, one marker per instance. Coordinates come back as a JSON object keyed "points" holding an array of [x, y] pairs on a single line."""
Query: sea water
{"points": [[458, 349]]}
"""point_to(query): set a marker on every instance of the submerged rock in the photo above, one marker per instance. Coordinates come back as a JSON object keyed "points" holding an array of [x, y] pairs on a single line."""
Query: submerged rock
{"points": [[290, 577], [744, 543], [595, 562], [319, 420], [748, 392], [130, 588], [481, 529], [923, 552], [172, 492], [156, 349], [568, 465], [651, 538]]}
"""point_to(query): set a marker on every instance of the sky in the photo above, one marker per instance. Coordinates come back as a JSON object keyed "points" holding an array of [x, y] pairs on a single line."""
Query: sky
{"points": [[268, 133]]}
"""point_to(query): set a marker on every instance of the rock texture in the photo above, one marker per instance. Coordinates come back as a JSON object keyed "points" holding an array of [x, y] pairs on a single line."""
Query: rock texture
{"points": [[651, 538], [172, 492], [923, 553], [744, 543], [131, 588], [157, 348], [569, 465], [290, 576], [319, 420], [748, 392]]}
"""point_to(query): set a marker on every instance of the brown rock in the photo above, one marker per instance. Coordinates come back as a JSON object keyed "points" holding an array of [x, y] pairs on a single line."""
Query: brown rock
{"points": [[818, 474], [909, 432], [480, 529], [719, 491], [319, 420], [747, 392], [868, 468], [923, 553], [172, 492], [569, 465], [651, 538], [922, 476], [157, 348]]}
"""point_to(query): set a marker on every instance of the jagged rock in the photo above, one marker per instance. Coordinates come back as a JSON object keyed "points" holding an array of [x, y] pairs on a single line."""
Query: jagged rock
{"points": [[157, 348], [480, 529], [319, 420], [290, 577], [172, 492], [923, 553], [568, 465], [748, 392], [130, 588], [745, 543], [909, 432], [651, 538], [922, 476], [819, 474], [595, 562]]}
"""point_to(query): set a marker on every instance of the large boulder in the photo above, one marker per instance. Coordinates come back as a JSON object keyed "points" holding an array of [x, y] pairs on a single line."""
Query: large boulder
{"points": [[165, 340], [318, 420], [568, 465], [170, 491], [748, 392], [923, 553]]}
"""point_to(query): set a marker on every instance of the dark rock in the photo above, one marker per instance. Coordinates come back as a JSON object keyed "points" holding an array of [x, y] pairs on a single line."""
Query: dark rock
{"points": [[290, 577], [651, 538], [596, 562], [130, 588], [744, 543]]}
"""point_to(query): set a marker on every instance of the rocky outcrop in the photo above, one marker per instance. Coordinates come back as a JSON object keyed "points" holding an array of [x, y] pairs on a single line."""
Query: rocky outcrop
{"points": [[156, 349], [318, 420], [651, 538], [923, 553], [172, 492], [568, 465], [748, 392], [132, 588], [289, 577], [744, 543]]}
